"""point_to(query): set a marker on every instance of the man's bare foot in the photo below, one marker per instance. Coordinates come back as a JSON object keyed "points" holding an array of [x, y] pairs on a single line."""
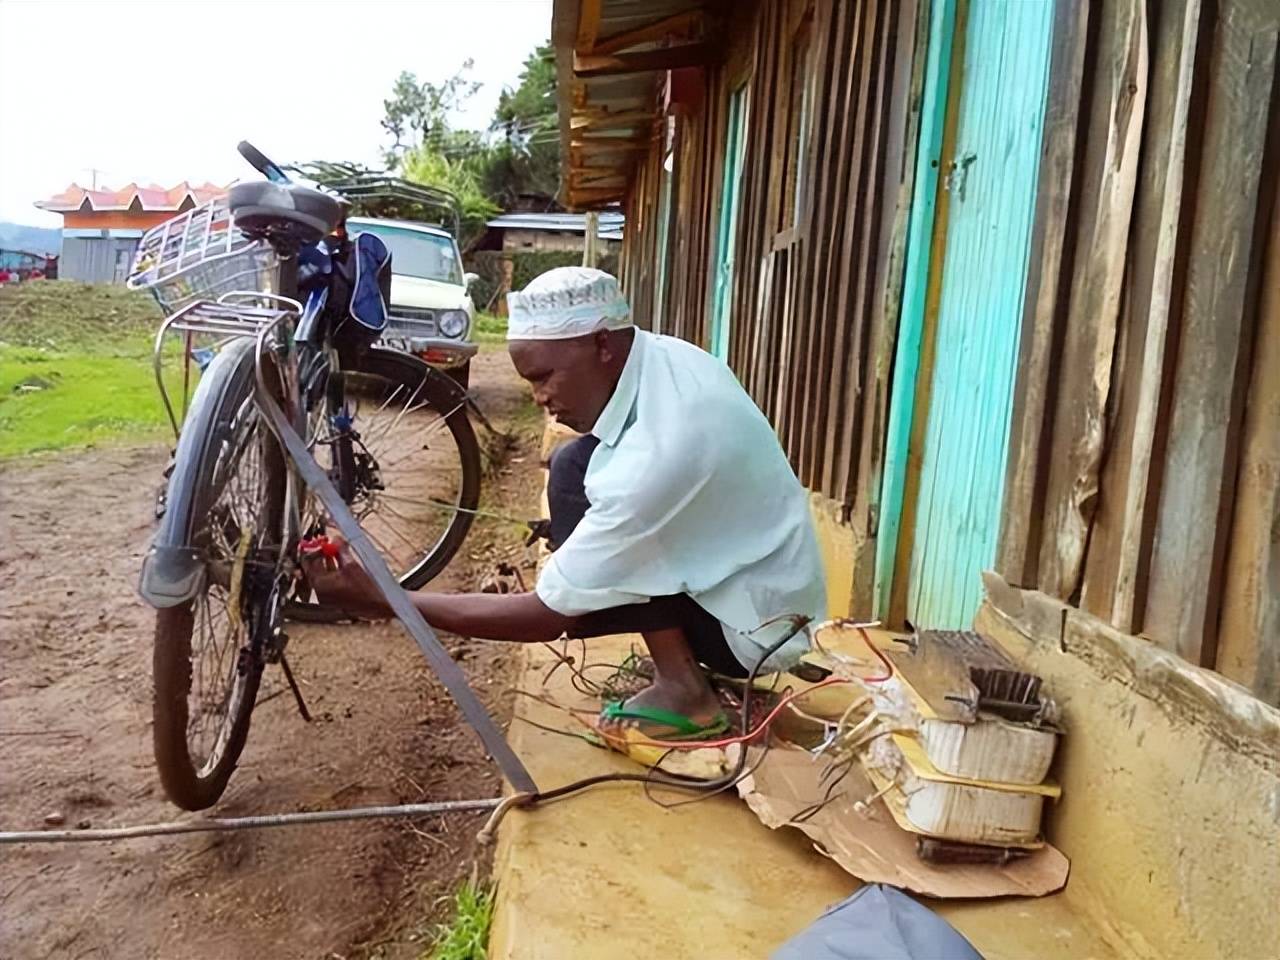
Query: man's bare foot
{"points": [[693, 699]]}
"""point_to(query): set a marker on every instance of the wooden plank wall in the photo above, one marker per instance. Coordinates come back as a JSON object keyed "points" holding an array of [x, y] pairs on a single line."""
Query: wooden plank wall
{"points": [[1144, 475], [814, 311]]}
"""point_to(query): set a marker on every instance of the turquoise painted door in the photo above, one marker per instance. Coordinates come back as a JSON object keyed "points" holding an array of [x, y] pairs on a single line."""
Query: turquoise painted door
{"points": [[727, 228], [915, 285], [992, 185]]}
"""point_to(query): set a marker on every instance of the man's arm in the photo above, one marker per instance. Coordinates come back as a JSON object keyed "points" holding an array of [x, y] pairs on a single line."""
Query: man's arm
{"points": [[520, 617]]}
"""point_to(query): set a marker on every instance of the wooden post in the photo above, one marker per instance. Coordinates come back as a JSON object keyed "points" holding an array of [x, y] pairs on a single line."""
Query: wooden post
{"points": [[591, 239], [504, 284]]}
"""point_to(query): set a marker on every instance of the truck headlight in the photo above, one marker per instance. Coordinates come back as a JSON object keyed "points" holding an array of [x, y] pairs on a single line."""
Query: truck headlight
{"points": [[453, 323]]}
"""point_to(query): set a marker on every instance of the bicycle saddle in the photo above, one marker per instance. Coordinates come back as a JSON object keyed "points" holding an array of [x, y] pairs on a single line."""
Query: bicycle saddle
{"points": [[286, 214]]}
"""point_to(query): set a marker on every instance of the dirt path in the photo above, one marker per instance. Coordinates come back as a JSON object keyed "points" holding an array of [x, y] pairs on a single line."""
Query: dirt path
{"points": [[75, 737]]}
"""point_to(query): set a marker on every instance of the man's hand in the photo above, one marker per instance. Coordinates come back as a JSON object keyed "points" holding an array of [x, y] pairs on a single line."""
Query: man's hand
{"points": [[521, 617], [342, 582]]}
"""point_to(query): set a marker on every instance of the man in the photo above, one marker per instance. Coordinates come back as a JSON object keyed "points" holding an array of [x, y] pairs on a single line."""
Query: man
{"points": [[675, 515]]}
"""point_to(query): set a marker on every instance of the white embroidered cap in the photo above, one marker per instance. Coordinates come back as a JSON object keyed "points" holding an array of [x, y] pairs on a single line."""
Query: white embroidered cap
{"points": [[567, 302]]}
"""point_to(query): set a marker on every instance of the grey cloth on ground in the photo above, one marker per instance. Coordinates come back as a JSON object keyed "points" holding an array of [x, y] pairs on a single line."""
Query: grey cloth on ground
{"points": [[878, 923]]}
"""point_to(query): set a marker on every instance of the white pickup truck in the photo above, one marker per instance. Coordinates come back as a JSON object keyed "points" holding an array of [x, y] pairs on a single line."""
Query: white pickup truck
{"points": [[431, 313]]}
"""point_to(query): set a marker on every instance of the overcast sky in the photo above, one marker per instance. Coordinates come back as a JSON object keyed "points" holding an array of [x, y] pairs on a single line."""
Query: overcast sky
{"points": [[164, 90]]}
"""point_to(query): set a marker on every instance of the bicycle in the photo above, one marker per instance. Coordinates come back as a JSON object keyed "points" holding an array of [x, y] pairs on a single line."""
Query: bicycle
{"points": [[272, 299]]}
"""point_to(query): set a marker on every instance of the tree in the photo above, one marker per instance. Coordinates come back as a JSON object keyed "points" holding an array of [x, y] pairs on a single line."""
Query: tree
{"points": [[418, 113], [485, 170], [461, 176], [527, 160]]}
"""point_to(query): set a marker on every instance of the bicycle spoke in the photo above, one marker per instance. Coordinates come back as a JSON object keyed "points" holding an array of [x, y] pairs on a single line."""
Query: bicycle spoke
{"points": [[411, 545], [411, 521], [400, 430], [400, 416], [425, 432], [218, 633]]}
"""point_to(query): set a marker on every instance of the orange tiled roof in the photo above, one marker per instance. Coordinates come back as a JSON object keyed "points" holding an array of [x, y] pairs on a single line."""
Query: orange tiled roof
{"points": [[152, 197]]}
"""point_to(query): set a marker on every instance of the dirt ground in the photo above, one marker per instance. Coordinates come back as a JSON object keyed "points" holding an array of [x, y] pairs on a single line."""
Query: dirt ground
{"points": [[75, 739]]}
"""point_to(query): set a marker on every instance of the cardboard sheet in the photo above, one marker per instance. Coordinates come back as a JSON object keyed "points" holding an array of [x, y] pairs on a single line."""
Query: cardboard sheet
{"points": [[873, 848]]}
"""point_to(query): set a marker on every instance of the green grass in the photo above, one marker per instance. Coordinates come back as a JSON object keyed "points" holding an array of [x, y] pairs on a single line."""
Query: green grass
{"points": [[490, 328], [51, 400], [466, 936], [75, 367]]}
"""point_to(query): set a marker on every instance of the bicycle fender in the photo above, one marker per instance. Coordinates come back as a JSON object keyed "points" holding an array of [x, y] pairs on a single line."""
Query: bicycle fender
{"points": [[171, 575], [173, 570]]}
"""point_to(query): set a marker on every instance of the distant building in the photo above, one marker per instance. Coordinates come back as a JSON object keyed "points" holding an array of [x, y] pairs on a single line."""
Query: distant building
{"points": [[543, 232], [101, 228]]}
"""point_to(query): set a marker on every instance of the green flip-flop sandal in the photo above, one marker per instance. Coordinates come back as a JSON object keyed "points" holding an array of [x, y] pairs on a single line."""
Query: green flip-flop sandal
{"points": [[682, 727]]}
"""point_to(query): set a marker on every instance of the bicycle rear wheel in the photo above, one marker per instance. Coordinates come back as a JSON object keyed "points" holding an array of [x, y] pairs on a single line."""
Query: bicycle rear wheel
{"points": [[228, 488], [417, 462]]}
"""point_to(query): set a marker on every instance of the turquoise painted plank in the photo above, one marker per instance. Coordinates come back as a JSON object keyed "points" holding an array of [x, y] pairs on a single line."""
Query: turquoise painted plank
{"points": [[991, 207], [906, 363], [726, 234]]}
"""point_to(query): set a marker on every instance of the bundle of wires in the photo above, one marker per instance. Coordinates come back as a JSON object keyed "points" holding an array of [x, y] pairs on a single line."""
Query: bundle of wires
{"points": [[700, 785]]}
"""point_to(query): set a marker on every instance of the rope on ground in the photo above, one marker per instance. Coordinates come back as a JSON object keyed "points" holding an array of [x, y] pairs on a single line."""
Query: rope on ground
{"points": [[269, 820]]}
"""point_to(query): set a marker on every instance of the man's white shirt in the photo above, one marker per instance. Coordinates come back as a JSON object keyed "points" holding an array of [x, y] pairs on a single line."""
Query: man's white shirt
{"points": [[691, 492]]}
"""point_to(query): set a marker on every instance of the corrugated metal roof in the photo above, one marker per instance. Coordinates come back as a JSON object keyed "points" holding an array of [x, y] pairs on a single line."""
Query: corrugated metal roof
{"points": [[609, 228]]}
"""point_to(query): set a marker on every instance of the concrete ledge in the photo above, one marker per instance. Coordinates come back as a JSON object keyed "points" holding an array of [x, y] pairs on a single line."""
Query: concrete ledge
{"points": [[1184, 692], [610, 874], [1171, 784]]}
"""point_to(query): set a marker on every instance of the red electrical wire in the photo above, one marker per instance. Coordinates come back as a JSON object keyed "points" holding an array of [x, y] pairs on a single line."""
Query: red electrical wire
{"points": [[888, 667]]}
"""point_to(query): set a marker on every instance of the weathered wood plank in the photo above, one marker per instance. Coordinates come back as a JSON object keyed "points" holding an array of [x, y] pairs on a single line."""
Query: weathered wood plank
{"points": [[1111, 172], [678, 24], [934, 63], [871, 205], [824, 45], [831, 222], [1049, 273], [1249, 633], [843, 320], [588, 25], [901, 132], [1119, 548], [1223, 272]]}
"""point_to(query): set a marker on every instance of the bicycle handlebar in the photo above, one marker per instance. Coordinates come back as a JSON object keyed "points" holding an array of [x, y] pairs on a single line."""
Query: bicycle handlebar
{"points": [[262, 163]]}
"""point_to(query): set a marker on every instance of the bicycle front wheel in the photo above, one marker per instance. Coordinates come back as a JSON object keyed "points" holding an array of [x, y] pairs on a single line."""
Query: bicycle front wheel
{"points": [[227, 499]]}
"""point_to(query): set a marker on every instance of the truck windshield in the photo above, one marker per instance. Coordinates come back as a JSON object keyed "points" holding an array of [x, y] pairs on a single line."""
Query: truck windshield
{"points": [[416, 254]]}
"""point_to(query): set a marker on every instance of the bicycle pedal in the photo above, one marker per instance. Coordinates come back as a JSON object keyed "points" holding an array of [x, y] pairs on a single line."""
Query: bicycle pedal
{"points": [[321, 545]]}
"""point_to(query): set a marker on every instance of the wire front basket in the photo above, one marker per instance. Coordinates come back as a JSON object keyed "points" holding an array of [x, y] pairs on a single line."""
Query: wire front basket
{"points": [[201, 255]]}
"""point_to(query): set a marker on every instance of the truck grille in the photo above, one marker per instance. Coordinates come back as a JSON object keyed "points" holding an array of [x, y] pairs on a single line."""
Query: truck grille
{"points": [[411, 321]]}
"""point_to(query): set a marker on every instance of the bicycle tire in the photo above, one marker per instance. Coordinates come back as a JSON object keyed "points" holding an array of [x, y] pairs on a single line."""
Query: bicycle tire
{"points": [[444, 395], [224, 392]]}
